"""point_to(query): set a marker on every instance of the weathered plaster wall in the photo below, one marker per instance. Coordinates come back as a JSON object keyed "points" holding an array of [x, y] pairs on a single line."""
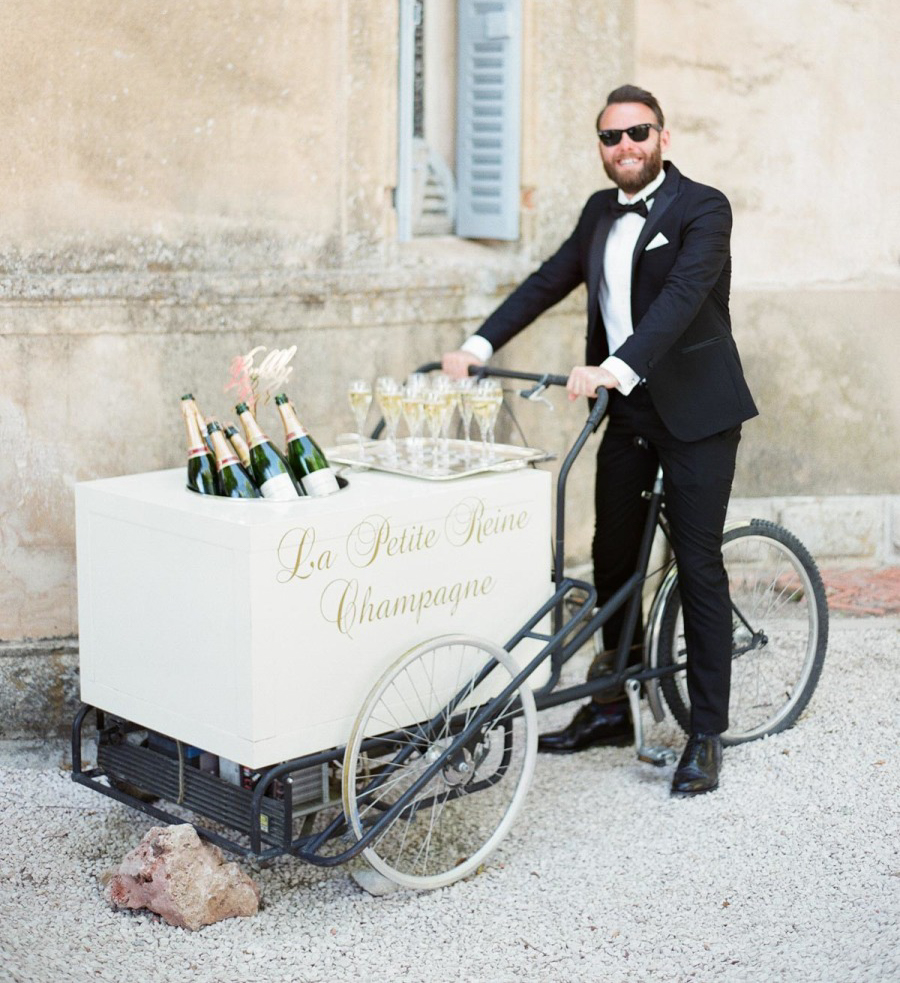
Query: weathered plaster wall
{"points": [[782, 107], [825, 366], [193, 136], [182, 182]]}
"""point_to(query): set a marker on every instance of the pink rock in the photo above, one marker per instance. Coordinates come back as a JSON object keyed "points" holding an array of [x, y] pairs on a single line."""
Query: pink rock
{"points": [[186, 881]]}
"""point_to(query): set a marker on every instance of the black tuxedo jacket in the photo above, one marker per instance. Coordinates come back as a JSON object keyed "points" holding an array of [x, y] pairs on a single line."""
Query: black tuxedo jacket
{"points": [[682, 343]]}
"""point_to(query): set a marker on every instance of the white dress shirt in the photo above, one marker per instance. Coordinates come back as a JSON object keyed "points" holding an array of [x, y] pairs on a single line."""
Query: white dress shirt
{"points": [[615, 282], [614, 293]]}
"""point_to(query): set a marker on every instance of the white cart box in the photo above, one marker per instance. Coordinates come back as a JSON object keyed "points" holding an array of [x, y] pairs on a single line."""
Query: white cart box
{"points": [[255, 629]]}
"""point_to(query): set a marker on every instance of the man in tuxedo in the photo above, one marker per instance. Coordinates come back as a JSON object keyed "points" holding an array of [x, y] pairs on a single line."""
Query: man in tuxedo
{"points": [[654, 253]]}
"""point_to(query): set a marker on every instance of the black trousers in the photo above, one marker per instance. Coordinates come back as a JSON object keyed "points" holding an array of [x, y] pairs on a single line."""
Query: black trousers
{"points": [[697, 479]]}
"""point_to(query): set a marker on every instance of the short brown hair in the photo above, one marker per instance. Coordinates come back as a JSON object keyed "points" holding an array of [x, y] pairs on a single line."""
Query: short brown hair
{"points": [[633, 93]]}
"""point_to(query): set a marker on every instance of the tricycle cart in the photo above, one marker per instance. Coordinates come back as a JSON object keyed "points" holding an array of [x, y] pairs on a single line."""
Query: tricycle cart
{"points": [[314, 650]]}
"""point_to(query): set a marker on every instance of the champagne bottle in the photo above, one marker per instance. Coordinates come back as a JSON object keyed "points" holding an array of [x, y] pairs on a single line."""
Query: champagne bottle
{"points": [[202, 475], [305, 457], [238, 443], [234, 480], [204, 428], [267, 464], [201, 423]]}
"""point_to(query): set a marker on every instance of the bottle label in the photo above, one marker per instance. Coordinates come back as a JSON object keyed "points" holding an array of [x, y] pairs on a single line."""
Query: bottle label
{"points": [[279, 486], [296, 434], [224, 462], [321, 482], [197, 452]]}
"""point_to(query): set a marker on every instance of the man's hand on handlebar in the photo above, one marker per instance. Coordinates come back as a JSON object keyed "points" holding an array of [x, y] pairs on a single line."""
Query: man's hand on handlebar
{"points": [[456, 364], [585, 380]]}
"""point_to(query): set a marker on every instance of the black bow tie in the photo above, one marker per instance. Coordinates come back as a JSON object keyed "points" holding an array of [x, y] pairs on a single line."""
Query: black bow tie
{"points": [[636, 207]]}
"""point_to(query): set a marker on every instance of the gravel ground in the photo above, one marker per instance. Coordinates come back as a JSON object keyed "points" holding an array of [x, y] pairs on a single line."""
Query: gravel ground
{"points": [[791, 871]]}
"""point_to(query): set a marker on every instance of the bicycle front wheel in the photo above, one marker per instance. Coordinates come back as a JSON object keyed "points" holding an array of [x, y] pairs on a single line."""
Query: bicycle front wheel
{"points": [[780, 622], [417, 715]]}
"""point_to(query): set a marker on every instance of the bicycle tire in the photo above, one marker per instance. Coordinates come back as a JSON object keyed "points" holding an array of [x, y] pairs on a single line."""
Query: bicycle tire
{"points": [[455, 820], [780, 632]]}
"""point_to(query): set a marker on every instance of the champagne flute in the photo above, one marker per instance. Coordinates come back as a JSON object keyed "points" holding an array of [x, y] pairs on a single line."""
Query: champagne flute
{"points": [[482, 407], [440, 381], [389, 396], [446, 386], [450, 401], [496, 394], [359, 394], [486, 405], [417, 381], [433, 404], [465, 389], [413, 414]]}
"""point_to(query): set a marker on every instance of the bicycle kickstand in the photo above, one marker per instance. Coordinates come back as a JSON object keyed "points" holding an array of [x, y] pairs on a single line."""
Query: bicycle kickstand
{"points": [[652, 755]]}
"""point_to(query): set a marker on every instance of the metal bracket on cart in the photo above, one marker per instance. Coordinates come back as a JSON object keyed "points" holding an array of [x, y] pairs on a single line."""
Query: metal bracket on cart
{"points": [[535, 394], [650, 754]]}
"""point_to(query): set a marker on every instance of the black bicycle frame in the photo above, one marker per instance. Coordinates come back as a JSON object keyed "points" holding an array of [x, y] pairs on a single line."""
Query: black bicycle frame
{"points": [[629, 593]]}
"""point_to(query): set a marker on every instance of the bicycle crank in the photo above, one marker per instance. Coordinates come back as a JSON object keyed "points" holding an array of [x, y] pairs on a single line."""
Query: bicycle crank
{"points": [[655, 755]]}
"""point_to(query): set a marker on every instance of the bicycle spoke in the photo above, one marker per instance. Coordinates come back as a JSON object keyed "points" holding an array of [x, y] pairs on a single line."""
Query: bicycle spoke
{"points": [[780, 629], [444, 830]]}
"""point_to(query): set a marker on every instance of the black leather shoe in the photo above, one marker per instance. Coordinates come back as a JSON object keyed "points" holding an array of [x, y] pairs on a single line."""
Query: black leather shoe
{"points": [[698, 770], [594, 725]]}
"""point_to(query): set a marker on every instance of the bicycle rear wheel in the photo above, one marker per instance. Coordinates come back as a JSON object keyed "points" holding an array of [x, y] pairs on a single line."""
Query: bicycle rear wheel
{"points": [[780, 618], [419, 710]]}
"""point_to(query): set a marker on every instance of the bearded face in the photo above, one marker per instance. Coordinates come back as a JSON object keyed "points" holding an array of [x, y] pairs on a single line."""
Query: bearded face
{"points": [[632, 165]]}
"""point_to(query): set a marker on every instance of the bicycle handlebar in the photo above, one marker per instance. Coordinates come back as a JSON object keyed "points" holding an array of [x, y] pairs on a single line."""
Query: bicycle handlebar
{"points": [[601, 396], [542, 378], [545, 378]]}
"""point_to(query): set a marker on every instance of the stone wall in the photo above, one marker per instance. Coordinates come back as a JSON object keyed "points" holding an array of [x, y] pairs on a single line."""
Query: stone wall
{"points": [[824, 368], [182, 182], [185, 138], [777, 105]]}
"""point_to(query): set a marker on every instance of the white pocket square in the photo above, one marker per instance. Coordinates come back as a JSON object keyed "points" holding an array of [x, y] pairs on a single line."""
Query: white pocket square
{"points": [[658, 240]]}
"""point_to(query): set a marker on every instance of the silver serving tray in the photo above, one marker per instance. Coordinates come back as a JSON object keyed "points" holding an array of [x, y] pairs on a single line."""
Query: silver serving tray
{"points": [[503, 457]]}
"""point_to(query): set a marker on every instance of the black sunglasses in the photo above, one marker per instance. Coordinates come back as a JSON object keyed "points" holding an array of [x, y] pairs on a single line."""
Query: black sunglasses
{"points": [[639, 133]]}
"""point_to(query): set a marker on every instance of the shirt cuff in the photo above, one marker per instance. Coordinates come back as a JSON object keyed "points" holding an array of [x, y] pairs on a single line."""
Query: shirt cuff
{"points": [[480, 347], [626, 376]]}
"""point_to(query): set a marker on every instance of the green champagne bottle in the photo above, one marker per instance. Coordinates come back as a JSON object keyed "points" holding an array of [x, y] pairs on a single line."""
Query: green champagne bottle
{"points": [[267, 464], [201, 423], [238, 443], [309, 464], [234, 479], [202, 475]]}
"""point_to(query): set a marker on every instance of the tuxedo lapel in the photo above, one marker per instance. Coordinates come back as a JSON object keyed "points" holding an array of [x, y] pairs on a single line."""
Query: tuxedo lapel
{"points": [[595, 262], [667, 193]]}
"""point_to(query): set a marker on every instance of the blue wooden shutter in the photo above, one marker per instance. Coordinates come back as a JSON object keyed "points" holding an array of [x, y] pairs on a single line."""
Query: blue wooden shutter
{"points": [[489, 110], [408, 10]]}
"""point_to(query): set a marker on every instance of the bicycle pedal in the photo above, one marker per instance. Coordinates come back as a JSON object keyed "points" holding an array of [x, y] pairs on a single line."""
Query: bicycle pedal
{"points": [[657, 756]]}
